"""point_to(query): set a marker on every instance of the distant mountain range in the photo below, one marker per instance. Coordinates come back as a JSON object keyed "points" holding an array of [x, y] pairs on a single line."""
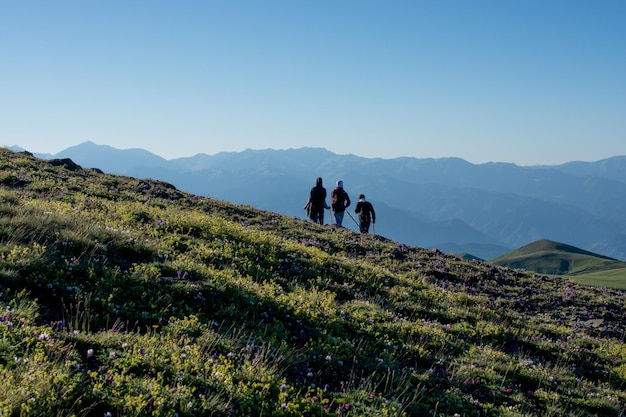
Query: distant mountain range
{"points": [[485, 210]]}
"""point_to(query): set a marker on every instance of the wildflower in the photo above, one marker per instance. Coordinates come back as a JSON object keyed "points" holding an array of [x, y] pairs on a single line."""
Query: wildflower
{"points": [[328, 358], [89, 353], [44, 336], [283, 387], [108, 414]]}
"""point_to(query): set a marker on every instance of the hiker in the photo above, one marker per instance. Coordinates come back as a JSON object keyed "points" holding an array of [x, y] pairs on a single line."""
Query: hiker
{"points": [[366, 213], [339, 202], [317, 202]]}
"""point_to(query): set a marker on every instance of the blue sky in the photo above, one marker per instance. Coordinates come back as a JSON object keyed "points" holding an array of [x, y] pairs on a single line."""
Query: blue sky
{"points": [[522, 81]]}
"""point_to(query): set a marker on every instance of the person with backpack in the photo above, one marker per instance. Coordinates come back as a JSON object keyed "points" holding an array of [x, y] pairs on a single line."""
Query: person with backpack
{"points": [[366, 213], [339, 202], [317, 202]]}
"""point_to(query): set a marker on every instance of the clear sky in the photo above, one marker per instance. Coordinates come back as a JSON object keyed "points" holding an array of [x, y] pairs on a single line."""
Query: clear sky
{"points": [[523, 81]]}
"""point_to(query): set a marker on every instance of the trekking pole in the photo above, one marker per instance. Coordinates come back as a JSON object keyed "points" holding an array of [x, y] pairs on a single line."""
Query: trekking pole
{"points": [[358, 225]]}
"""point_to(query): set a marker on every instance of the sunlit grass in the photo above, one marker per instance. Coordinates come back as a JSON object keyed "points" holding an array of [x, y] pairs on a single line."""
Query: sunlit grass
{"points": [[614, 278]]}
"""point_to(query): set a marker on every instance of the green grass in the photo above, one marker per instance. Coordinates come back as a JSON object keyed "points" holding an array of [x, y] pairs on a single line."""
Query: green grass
{"points": [[554, 258], [126, 297], [613, 278]]}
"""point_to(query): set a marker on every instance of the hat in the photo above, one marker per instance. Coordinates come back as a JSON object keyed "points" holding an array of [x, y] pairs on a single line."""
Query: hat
{"points": [[361, 196], [340, 183]]}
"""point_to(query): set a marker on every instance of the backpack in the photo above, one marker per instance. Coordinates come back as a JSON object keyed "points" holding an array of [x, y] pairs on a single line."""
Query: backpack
{"points": [[338, 199]]}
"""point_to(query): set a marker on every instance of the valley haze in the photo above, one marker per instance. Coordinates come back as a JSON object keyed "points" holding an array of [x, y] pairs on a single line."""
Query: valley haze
{"points": [[450, 204]]}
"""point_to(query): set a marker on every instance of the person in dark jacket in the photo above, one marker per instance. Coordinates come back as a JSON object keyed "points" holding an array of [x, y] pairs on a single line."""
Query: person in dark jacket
{"points": [[317, 202], [366, 213], [339, 202]]}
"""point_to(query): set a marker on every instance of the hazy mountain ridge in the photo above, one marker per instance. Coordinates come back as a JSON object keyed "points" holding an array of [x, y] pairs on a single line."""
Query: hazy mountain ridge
{"points": [[500, 206]]}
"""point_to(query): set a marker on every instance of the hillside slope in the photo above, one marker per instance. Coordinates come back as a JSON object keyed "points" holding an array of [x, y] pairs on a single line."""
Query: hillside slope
{"points": [[548, 257], [499, 206], [127, 297]]}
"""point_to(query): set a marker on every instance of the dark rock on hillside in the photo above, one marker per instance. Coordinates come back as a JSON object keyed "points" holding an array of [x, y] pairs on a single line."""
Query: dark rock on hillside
{"points": [[67, 163]]}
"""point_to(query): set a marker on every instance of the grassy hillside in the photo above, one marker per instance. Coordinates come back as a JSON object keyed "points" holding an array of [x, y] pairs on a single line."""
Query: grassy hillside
{"points": [[126, 297], [554, 258], [549, 257], [612, 278]]}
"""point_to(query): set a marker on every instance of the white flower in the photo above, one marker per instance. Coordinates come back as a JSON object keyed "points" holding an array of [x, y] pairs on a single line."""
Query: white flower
{"points": [[89, 353]]}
